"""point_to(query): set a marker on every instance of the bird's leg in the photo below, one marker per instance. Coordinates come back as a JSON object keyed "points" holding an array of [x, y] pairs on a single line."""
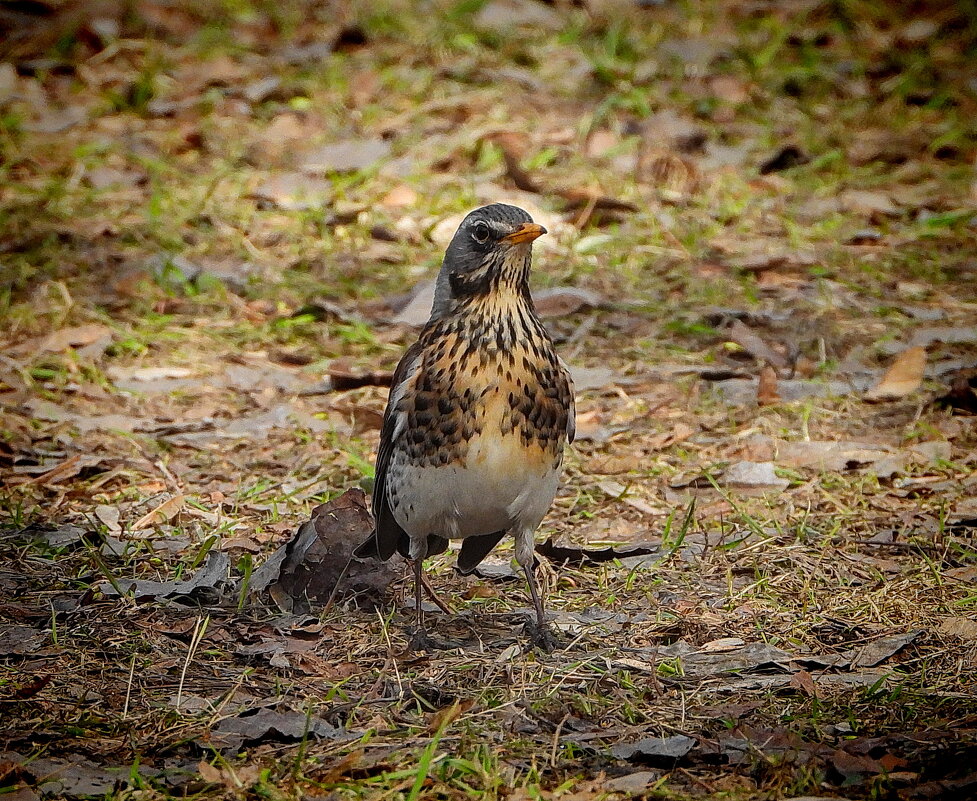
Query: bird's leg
{"points": [[335, 589], [419, 641], [418, 584], [542, 636], [438, 601]]}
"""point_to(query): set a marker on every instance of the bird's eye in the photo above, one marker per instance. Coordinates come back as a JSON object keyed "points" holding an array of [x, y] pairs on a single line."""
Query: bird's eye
{"points": [[480, 232]]}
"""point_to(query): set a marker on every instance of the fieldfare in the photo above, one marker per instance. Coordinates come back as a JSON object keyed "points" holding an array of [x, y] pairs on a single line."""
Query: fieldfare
{"points": [[479, 413]]}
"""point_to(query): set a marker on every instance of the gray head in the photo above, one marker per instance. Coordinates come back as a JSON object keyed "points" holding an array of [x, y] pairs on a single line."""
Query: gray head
{"points": [[490, 250]]}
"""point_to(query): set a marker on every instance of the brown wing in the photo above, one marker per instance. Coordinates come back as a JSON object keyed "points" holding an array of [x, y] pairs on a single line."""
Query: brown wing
{"points": [[387, 535]]}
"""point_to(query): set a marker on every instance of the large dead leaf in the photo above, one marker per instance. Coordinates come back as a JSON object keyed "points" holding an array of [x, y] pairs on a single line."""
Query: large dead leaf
{"points": [[268, 725], [661, 751], [502, 15], [309, 565], [205, 583], [745, 477], [864, 656], [962, 627], [902, 378], [20, 640], [75, 776]]}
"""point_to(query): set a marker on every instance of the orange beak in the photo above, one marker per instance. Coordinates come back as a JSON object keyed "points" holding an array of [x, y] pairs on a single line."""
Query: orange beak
{"points": [[526, 232]]}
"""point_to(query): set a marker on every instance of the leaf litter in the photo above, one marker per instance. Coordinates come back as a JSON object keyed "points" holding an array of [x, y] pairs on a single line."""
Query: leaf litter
{"points": [[725, 323]]}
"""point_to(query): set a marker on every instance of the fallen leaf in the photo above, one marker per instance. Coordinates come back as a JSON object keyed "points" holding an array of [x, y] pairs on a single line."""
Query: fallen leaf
{"points": [[868, 655], [163, 513], [867, 203], [81, 335], [262, 89], [948, 335], [633, 784], [753, 344], [753, 475], [803, 681], [663, 751], [666, 130], [672, 175], [267, 725], [78, 777], [312, 561], [417, 310], [69, 468], [55, 536], [586, 378], [444, 717], [564, 300], [881, 144], [901, 379], [109, 515], [962, 627], [399, 197], [209, 773], [350, 155], [502, 15], [205, 582], [20, 640], [766, 394], [294, 191]]}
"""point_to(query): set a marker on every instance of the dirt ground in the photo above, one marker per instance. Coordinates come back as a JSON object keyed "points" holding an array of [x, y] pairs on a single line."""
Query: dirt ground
{"points": [[218, 226]]}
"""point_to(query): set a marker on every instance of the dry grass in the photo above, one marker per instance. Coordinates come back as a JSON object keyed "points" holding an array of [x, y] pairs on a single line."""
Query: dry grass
{"points": [[814, 638]]}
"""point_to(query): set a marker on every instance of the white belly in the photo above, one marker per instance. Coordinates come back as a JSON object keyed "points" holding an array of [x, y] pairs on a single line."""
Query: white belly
{"points": [[501, 487]]}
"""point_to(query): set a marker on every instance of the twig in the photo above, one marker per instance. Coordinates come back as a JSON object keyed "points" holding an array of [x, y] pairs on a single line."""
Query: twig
{"points": [[199, 629], [556, 740], [132, 672]]}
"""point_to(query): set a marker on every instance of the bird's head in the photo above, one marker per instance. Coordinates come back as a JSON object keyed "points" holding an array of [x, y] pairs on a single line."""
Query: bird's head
{"points": [[490, 252]]}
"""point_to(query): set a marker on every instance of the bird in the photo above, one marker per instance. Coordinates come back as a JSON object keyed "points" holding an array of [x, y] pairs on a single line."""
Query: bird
{"points": [[479, 415]]}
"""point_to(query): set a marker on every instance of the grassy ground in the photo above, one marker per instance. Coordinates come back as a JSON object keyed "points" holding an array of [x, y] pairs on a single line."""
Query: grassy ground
{"points": [[206, 208]]}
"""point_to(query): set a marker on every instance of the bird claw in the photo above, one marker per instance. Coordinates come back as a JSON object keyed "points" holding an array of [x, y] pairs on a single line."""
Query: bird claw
{"points": [[544, 638], [422, 641]]}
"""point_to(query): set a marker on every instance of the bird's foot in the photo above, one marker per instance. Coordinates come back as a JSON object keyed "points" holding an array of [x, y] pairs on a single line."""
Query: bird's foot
{"points": [[543, 637], [420, 640]]}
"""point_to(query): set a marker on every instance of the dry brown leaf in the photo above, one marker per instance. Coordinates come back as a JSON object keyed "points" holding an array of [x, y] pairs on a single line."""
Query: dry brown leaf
{"points": [[166, 511], [902, 378], [209, 773], [753, 343], [74, 337], [399, 197], [962, 627], [766, 393], [803, 681], [561, 301], [669, 173], [443, 718]]}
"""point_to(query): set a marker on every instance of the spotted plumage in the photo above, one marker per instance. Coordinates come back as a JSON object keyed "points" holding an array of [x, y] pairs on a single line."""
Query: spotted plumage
{"points": [[479, 413]]}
